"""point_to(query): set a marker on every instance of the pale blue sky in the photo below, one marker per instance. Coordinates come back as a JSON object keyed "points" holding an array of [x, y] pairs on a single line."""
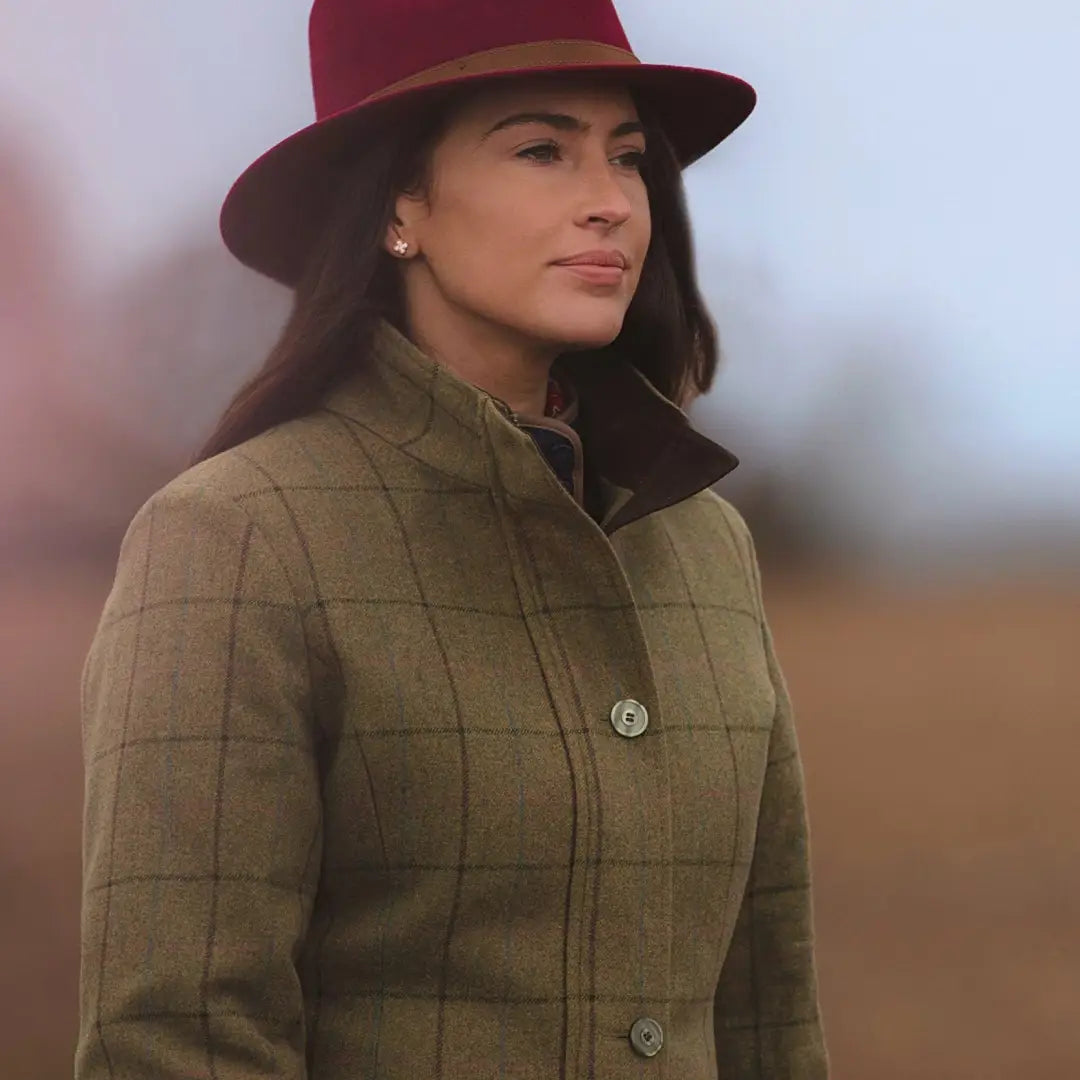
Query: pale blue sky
{"points": [[908, 181]]}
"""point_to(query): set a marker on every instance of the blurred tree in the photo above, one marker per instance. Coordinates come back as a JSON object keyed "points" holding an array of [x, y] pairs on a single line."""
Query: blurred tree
{"points": [[185, 330], [860, 457], [828, 421], [63, 466]]}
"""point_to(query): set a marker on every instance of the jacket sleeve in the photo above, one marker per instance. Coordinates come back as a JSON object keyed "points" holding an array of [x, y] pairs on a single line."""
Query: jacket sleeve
{"points": [[202, 816], [766, 1017]]}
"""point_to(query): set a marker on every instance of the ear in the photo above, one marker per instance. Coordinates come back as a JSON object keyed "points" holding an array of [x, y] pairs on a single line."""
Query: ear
{"points": [[393, 235], [408, 213]]}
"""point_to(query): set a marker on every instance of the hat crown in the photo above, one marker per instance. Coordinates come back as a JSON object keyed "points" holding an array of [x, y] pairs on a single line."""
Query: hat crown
{"points": [[361, 47]]}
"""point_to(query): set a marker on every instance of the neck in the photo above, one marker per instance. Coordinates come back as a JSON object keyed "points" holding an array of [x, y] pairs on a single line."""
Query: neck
{"points": [[486, 354]]}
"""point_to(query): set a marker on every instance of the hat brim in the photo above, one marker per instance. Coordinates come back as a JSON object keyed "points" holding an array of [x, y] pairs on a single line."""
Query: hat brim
{"points": [[276, 210]]}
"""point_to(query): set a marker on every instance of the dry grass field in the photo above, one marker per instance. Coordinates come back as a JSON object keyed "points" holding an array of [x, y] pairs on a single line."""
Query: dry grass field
{"points": [[941, 736]]}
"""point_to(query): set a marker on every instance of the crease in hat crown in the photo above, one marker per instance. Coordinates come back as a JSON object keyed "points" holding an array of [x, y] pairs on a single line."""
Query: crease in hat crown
{"points": [[401, 42], [368, 55]]}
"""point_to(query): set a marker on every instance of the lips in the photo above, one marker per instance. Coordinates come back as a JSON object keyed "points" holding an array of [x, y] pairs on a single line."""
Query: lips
{"points": [[596, 275], [598, 257]]}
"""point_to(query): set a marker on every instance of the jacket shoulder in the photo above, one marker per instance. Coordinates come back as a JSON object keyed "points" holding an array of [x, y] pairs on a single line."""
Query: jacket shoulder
{"points": [[258, 481], [298, 453], [738, 533], [732, 520]]}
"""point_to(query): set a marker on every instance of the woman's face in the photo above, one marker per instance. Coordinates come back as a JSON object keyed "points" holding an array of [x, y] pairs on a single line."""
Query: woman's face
{"points": [[512, 196]]}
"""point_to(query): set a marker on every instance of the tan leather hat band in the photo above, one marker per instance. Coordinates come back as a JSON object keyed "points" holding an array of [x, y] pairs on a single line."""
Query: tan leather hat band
{"points": [[513, 59]]}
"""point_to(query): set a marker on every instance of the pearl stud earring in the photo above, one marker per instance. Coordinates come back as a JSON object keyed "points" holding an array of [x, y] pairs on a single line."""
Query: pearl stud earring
{"points": [[401, 247]]}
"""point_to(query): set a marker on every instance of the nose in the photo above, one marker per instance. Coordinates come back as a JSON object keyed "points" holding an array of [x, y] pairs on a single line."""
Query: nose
{"points": [[604, 194]]}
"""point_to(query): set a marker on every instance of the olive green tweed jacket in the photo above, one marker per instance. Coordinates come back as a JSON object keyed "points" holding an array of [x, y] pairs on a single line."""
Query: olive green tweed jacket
{"points": [[402, 763]]}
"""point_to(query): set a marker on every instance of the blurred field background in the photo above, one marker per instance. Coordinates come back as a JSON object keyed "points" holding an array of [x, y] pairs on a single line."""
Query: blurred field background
{"points": [[893, 263]]}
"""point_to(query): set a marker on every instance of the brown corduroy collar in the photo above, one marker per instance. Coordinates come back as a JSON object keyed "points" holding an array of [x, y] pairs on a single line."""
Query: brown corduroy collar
{"points": [[641, 448]]}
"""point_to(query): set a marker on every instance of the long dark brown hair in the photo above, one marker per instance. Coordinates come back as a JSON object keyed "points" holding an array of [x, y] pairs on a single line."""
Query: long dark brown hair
{"points": [[351, 281]]}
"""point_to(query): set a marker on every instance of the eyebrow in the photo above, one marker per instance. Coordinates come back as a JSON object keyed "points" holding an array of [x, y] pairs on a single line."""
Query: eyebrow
{"points": [[562, 122]]}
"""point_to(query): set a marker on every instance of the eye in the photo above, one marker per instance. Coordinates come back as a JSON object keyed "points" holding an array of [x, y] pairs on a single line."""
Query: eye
{"points": [[542, 148], [636, 158], [632, 159]]}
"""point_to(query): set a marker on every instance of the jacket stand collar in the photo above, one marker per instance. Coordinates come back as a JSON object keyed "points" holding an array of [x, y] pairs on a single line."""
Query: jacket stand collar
{"points": [[641, 453]]}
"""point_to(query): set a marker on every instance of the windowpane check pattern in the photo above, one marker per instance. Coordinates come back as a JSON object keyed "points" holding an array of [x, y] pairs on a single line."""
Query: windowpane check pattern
{"points": [[355, 807]]}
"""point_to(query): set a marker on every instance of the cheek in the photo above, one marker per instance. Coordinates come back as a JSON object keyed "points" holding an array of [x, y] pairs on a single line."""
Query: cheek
{"points": [[488, 243], [490, 248], [642, 221]]}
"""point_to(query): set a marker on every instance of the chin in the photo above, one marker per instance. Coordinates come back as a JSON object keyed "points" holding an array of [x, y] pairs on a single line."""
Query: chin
{"points": [[588, 329]]}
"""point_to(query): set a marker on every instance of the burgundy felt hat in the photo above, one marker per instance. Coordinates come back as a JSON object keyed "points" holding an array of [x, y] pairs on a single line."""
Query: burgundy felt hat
{"points": [[369, 56]]}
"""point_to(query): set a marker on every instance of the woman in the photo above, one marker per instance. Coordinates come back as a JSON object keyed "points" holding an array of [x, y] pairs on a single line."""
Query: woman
{"points": [[433, 727]]}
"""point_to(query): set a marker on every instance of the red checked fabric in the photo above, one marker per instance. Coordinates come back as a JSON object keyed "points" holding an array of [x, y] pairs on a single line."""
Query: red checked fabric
{"points": [[556, 399]]}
